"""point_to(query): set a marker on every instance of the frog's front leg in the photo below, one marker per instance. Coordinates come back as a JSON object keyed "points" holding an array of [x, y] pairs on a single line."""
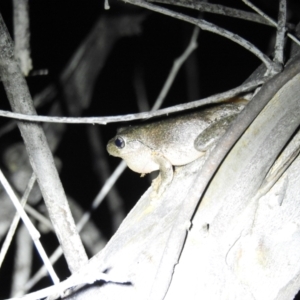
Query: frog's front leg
{"points": [[160, 184], [209, 136]]}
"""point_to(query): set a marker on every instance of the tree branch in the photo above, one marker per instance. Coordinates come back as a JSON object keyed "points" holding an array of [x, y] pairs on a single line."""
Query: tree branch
{"points": [[219, 98], [279, 46], [22, 35], [204, 25], [40, 155], [217, 9], [269, 19]]}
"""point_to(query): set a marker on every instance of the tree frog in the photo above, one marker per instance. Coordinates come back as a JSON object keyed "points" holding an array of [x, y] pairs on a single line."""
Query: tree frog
{"points": [[175, 141]]}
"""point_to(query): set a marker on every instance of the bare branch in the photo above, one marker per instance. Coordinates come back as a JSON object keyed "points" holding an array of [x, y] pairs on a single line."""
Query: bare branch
{"points": [[22, 267], [219, 98], [204, 25], [217, 9], [175, 69], [40, 155], [103, 192], [279, 46], [79, 279], [115, 202], [42, 272], [269, 19], [140, 90], [83, 221], [35, 235], [15, 221], [22, 35], [39, 217]]}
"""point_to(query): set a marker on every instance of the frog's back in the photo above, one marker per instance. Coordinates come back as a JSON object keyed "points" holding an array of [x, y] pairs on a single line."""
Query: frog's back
{"points": [[174, 137]]}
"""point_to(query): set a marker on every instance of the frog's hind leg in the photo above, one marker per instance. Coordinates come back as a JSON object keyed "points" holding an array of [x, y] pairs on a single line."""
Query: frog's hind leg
{"points": [[209, 136]]}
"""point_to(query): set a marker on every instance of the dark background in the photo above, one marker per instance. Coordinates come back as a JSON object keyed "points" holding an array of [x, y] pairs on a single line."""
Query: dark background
{"points": [[58, 28]]}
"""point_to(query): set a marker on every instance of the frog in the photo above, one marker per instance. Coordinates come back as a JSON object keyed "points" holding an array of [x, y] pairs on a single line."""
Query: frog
{"points": [[171, 142]]}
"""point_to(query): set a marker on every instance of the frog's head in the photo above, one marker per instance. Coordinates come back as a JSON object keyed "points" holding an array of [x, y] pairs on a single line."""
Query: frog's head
{"points": [[136, 154], [121, 146]]}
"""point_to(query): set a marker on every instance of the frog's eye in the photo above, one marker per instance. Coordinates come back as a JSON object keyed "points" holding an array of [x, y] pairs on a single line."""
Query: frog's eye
{"points": [[119, 142]]}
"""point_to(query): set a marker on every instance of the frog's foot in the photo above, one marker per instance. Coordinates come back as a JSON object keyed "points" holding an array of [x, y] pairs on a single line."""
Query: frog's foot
{"points": [[160, 184]]}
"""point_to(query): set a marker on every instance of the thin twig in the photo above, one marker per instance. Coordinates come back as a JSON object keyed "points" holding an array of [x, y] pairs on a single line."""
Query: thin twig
{"points": [[175, 69], [115, 203], [39, 217], [75, 280], [217, 9], [279, 45], [140, 90], [22, 267], [204, 25], [15, 222], [260, 12], [102, 194], [219, 98], [8, 127], [35, 235], [42, 272], [224, 11], [33, 232]]}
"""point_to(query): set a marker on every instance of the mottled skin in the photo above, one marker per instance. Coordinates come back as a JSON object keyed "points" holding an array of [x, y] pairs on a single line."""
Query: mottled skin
{"points": [[175, 141]]}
